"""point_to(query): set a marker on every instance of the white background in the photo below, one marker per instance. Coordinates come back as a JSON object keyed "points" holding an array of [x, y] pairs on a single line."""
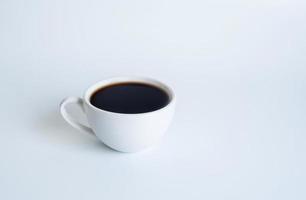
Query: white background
{"points": [[238, 69]]}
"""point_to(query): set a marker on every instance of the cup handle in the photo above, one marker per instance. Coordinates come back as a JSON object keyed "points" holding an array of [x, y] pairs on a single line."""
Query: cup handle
{"points": [[69, 118]]}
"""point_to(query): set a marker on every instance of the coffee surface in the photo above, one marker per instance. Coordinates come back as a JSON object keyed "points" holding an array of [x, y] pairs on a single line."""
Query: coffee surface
{"points": [[129, 98]]}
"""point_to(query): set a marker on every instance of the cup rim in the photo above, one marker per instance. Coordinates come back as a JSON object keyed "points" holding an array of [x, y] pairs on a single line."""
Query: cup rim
{"points": [[122, 79]]}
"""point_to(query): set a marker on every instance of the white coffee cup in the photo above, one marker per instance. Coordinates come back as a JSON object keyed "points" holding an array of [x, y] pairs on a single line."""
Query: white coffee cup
{"points": [[123, 132]]}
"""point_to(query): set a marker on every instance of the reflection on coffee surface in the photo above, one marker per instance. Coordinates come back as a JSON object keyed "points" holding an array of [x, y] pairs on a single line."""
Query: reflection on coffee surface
{"points": [[130, 98]]}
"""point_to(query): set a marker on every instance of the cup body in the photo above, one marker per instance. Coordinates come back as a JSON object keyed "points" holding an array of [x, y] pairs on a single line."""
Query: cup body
{"points": [[129, 132]]}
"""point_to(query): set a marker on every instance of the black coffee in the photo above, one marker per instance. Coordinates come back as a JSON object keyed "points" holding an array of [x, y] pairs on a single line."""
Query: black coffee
{"points": [[130, 98]]}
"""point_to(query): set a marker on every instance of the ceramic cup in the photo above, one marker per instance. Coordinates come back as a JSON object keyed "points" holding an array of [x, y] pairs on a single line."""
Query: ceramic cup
{"points": [[122, 132]]}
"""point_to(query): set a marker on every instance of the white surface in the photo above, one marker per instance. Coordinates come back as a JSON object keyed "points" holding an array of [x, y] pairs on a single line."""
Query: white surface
{"points": [[238, 69]]}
